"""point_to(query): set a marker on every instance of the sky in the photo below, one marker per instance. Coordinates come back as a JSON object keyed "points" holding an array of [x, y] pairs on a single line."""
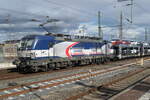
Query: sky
{"points": [[16, 18]]}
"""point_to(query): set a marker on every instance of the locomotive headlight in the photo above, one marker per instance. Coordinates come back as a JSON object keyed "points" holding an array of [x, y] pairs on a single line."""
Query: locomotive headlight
{"points": [[32, 55]]}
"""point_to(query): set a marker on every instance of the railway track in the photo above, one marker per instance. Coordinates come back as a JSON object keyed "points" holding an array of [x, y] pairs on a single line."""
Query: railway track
{"points": [[9, 75], [26, 88], [108, 90]]}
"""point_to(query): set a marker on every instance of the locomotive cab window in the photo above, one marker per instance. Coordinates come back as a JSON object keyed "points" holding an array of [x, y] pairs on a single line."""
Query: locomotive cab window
{"points": [[26, 43], [29, 43]]}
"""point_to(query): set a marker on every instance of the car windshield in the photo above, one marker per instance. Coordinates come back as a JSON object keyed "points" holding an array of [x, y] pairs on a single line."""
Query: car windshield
{"points": [[26, 43]]}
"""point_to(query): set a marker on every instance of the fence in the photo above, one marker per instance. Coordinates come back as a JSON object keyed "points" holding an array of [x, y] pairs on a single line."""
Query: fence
{"points": [[8, 52]]}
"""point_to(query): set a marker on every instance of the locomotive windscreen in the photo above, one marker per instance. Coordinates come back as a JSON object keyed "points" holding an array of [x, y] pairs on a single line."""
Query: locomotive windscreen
{"points": [[25, 44]]}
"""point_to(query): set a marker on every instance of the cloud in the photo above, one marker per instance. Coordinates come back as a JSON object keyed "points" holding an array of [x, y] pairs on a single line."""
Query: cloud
{"points": [[16, 16]]}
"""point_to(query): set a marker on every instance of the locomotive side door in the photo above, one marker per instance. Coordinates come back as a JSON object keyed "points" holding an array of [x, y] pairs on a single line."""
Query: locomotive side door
{"points": [[51, 49]]}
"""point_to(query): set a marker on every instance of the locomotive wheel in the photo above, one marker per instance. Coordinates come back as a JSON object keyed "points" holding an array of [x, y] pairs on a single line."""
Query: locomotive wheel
{"points": [[45, 68], [20, 70], [102, 61], [34, 69], [69, 64], [58, 65], [98, 62], [51, 66], [26, 70]]}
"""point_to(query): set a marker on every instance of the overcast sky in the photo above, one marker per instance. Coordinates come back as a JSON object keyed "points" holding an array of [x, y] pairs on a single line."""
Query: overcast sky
{"points": [[16, 17]]}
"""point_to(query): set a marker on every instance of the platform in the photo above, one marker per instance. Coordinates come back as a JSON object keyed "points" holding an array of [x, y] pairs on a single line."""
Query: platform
{"points": [[6, 65]]}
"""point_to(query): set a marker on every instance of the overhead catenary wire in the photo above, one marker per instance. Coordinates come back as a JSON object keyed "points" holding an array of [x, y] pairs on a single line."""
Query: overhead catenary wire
{"points": [[90, 14], [71, 7], [32, 15], [65, 6], [22, 13], [141, 7]]}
